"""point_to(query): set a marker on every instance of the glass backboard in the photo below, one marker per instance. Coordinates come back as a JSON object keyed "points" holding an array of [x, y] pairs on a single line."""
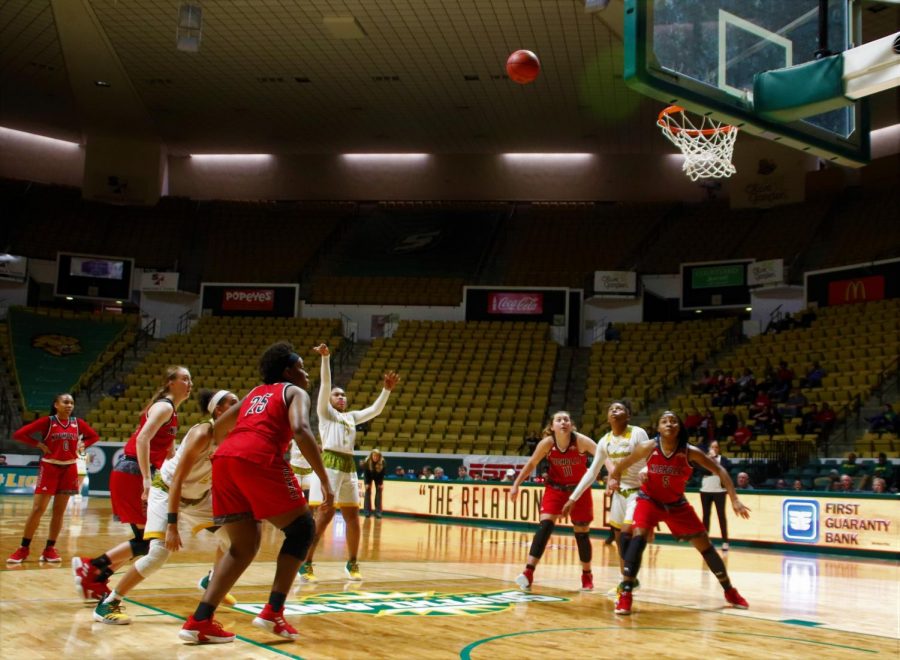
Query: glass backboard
{"points": [[703, 55]]}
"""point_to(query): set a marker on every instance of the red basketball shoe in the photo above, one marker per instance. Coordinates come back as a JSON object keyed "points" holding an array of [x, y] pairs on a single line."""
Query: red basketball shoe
{"points": [[18, 556], [736, 600], [274, 622], [207, 631], [623, 603], [587, 581], [525, 579], [51, 555]]}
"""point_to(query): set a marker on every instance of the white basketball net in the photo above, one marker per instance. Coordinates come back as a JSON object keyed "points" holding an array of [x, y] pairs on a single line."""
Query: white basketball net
{"points": [[707, 148]]}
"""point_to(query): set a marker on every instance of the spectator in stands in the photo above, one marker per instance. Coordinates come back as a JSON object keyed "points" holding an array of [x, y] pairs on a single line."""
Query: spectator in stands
{"points": [[692, 422], [814, 376], [784, 380], [850, 465], [509, 476], [760, 403], [707, 429], [764, 422], [705, 384], [612, 333], [793, 406], [746, 386], [462, 474], [879, 485], [399, 473], [798, 485], [885, 422], [827, 419], [411, 474], [743, 481], [426, 473], [531, 441], [809, 424], [2, 459], [118, 389], [807, 316], [844, 484], [742, 437], [883, 468], [439, 474], [730, 424]]}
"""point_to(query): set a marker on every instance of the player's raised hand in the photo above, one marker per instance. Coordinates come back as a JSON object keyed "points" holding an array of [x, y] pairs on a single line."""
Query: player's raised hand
{"points": [[391, 378], [322, 350]]}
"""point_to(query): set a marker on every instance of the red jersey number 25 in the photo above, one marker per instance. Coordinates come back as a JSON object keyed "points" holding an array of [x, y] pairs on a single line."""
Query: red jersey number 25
{"points": [[258, 404]]}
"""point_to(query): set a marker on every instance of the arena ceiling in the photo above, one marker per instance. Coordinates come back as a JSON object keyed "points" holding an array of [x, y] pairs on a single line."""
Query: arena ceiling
{"points": [[427, 76]]}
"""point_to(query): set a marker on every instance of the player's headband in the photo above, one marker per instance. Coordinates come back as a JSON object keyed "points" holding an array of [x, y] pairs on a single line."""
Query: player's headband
{"points": [[217, 397]]}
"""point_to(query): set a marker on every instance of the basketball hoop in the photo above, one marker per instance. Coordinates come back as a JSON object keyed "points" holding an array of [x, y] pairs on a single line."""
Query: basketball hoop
{"points": [[707, 148]]}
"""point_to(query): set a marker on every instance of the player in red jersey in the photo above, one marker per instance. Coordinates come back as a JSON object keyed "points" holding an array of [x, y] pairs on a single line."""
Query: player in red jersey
{"points": [[566, 452], [151, 443], [252, 482], [57, 436], [661, 499]]}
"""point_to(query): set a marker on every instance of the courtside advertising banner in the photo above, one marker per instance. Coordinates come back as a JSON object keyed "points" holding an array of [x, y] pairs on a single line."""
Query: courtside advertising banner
{"points": [[857, 524], [878, 280]]}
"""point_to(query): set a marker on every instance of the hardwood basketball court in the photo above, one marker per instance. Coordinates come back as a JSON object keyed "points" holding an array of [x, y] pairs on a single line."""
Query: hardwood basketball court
{"points": [[446, 591]]}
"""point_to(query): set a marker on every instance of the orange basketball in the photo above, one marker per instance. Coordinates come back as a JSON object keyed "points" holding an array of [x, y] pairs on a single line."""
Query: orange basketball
{"points": [[523, 66]]}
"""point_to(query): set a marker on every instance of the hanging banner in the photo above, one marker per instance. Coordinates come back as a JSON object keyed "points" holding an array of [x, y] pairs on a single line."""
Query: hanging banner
{"points": [[615, 282], [768, 272], [159, 281]]}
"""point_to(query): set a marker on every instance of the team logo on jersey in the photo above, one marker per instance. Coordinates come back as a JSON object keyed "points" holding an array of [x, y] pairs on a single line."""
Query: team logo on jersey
{"points": [[800, 521], [406, 603], [58, 345]]}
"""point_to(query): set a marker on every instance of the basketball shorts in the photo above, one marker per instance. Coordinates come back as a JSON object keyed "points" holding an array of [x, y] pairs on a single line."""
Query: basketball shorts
{"points": [[56, 479], [344, 485], [554, 500], [681, 520], [81, 465], [305, 476], [125, 490], [621, 510], [197, 516], [243, 489]]}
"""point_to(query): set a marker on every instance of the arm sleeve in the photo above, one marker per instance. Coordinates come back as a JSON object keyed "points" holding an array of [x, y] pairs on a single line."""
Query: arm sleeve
{"points": [[88, 435], [593, 472], [372, 411], [323, 402], [37, 427]]}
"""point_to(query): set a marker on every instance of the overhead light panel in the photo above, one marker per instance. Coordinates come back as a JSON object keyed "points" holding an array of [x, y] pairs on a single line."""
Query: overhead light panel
{"points": [[344, 27]]}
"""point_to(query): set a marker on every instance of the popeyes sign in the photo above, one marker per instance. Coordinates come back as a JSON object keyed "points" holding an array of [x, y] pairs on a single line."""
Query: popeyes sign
{"points": [[248, 299], [515, 303]]}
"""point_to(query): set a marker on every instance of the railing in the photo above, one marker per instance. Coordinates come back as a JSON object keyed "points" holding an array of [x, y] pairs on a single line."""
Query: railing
{"points": [[184, 322], [889, 371], [786, 454]]}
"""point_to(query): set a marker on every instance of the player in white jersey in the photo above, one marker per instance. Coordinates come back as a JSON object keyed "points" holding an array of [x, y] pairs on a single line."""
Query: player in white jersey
{"points": [[337, 431], [180, 491], [618, 443], [303, 470]]}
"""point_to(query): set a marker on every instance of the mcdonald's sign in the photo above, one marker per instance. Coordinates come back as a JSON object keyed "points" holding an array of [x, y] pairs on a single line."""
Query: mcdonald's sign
{"points": [[857, 289]]}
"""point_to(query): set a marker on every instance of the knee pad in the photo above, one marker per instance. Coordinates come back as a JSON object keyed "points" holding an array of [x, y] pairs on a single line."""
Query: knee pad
{"points": [[156, 556], [139, 547], [541, 537], [585, 551], [298, 536]]}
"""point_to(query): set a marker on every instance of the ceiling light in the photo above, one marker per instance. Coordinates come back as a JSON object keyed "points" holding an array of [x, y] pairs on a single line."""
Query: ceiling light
{"points": [[102, 83], [69, 298], [48, 141], [557, 157], [231, 157], [748, 309], [399, 157]]}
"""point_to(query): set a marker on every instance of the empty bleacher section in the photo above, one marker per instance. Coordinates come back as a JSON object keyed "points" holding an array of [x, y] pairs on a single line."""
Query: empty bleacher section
{"points": [[60, 351], [468, 387], [221, 353], [560, 243], [694, 232], [864, 228], [649, 359], [412, 253]]}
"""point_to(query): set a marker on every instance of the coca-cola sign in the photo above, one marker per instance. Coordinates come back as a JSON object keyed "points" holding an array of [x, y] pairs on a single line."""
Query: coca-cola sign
{"points": [[515, 303], [248, 299]]}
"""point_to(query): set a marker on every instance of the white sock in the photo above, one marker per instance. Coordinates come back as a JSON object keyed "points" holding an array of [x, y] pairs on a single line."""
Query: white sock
{"points": [[113, 595]]}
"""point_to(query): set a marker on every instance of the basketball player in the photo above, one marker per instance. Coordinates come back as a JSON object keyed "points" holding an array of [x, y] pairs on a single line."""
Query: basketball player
{"points": [[302, 468], [374, 469], [181, 490], [252, 482], [661, 499], [337, 429], [566, 452], [618, 443], [151, 443], [58, 437]]}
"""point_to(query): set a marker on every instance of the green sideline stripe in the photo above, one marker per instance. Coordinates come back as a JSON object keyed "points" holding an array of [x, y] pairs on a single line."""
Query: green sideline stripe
{"points": [[240, 637], [466, 653], [801, 622]]}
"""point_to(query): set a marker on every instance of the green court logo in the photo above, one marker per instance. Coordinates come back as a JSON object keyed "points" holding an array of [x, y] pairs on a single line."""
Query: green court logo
{"points": [[406, 603]]}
